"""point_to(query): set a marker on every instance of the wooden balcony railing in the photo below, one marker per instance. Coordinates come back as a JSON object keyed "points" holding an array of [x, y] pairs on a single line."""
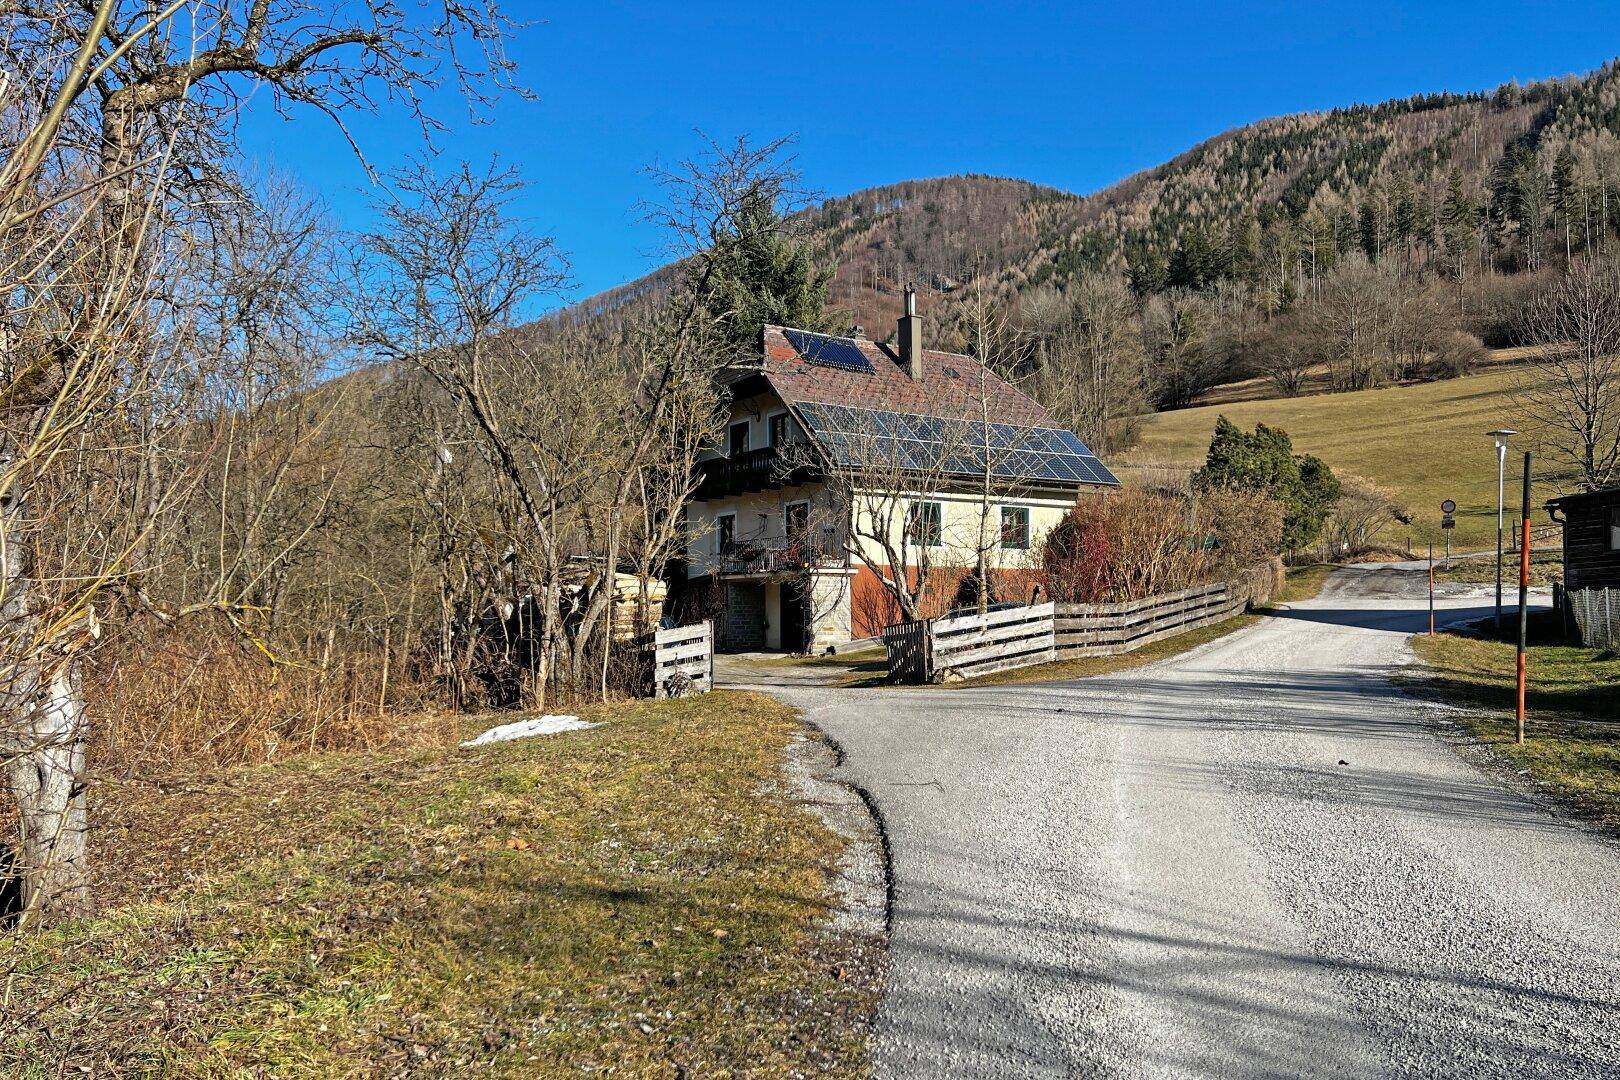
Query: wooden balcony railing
{"points": [[752, 470]]}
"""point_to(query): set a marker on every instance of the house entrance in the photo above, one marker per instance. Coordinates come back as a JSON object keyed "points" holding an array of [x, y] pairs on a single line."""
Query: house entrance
{"points": [[796, 616]]}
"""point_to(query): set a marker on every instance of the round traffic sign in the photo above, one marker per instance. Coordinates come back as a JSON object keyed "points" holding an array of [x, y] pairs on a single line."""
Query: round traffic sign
{"points": [[1448, 507]]}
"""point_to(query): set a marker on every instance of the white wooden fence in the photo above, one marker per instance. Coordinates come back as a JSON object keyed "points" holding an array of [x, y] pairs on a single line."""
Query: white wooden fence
{"points": [[970, 645], [687, 650]]}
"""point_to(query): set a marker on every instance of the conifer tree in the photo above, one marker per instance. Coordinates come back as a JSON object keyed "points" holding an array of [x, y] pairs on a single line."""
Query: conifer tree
{"points": [[759, 273], [1566, 196], [1458, 221]]}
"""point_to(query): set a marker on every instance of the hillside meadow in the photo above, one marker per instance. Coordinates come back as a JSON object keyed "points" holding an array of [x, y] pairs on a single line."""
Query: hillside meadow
{"points": [[1424, 442]]}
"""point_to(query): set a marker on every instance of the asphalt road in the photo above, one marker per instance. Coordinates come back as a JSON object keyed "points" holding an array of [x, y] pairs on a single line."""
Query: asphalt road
{"points": [[1257, 859]]}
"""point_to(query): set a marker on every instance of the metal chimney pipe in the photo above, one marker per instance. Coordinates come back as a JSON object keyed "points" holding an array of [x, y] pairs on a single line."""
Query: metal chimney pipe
{"points": [[911, 337]]}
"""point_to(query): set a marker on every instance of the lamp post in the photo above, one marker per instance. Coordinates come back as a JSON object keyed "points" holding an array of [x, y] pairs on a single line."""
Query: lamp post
{"points": [[1501, 435]]}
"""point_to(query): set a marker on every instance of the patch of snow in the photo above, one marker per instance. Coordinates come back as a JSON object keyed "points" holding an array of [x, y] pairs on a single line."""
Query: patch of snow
{"points": [[523, 729]]}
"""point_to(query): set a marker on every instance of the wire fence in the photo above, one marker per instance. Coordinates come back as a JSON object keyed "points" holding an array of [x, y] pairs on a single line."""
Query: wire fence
{"points": [[1596, 613]]}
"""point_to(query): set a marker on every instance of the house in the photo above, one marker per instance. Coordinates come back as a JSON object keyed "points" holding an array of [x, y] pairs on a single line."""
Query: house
{"points": [[1591, 527], [846, 462]]}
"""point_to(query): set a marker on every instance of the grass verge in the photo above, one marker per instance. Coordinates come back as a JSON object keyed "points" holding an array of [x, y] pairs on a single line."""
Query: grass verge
{"points": [[1572, 710], [639, 899]]}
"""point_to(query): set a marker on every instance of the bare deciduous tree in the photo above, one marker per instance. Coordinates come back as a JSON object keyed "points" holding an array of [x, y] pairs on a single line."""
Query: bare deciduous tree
{"points": [[1572, 390]]}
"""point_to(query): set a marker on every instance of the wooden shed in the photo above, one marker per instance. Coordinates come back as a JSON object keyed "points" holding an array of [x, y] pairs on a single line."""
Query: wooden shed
{"points": [[1591, 521], [1590, 597]]}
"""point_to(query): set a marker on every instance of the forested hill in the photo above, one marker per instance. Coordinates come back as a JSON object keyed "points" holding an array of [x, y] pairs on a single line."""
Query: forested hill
{"points": [[1498, 178]]}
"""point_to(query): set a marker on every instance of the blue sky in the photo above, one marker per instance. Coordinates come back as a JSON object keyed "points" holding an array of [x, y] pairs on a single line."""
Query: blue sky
{"points": [[1073, 95]]}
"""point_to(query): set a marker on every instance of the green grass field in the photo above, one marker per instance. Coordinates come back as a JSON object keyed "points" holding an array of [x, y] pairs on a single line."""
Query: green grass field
{"points": [[1424, 442]]}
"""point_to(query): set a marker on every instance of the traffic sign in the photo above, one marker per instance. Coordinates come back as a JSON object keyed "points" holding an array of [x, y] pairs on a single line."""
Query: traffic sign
{"points": [[1448, 508]]}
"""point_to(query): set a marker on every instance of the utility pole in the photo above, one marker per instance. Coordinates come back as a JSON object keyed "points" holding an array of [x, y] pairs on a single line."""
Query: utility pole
{"points": [[1524, 598], [1501, 435], [1431, 588]]}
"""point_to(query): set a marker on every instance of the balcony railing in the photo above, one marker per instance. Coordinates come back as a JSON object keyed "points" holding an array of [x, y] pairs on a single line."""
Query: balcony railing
{"points": [[782, 556], [751, 470]]}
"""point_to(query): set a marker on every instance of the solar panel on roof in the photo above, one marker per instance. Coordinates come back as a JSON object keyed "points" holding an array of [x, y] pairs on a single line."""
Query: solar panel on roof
{"points": [[875, 438], [829, 351]]}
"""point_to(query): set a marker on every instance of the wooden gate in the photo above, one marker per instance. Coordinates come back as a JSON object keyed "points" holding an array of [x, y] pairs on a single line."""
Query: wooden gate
{"points": [[687, 650]]}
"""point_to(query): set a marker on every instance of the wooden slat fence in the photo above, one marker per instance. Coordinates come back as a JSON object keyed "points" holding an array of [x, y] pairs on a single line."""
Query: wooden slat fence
{"points": [[907, 646], [1109, 629], [688, 650], [970, 645]]}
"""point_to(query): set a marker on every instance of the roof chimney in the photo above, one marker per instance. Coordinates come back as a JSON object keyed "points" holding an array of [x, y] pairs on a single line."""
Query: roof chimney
{"points": [[911, 337]]}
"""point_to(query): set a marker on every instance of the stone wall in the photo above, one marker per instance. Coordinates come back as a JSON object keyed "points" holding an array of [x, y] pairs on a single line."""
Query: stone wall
{"points": [[743, 629]]}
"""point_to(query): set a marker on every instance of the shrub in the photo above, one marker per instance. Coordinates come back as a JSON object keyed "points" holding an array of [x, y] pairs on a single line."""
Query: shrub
{"points": [[1456, 352], [1125, 546], [1264, 462], [1247, 527], [1363, 514]]}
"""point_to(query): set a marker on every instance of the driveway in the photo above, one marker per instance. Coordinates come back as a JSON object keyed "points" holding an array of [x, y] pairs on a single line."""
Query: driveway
{"points": [[1257, 859]]}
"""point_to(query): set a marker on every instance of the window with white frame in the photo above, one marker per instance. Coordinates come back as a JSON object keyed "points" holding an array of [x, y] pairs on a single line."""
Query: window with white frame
{"points": [[725, 526], [1614, 528]]}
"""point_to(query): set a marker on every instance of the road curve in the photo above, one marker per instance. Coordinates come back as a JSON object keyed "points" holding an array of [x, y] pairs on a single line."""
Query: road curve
{"points": [[1255, 860]]}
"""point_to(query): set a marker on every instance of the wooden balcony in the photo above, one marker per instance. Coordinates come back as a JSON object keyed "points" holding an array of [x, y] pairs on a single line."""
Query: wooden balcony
{"points": [[753, 470]]}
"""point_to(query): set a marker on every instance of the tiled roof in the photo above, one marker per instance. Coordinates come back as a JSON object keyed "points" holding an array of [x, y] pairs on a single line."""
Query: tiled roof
{"points": [[952, 385]]}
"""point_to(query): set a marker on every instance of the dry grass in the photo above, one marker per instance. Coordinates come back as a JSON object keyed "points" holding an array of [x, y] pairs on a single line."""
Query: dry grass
{"points": [[641, 899], [1545, 568], [1424, 442], [200, 697], [1572, 709], [1318, 379]]}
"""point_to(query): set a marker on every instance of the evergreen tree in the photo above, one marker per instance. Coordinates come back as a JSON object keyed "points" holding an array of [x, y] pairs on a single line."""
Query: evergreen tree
{"points": [[1459, 220], [1403, 210], [1195, 263], [1264, 460], [1369, 229], [759, 274], [1146, 271], [1566, 197], [1243, 250]]}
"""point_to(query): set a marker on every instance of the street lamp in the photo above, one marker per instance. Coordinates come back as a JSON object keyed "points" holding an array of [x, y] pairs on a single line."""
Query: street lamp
{"points": [[1501, 435]]}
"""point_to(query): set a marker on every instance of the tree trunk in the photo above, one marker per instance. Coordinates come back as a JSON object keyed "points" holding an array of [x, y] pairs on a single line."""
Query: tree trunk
{"points": [[48, 783]]}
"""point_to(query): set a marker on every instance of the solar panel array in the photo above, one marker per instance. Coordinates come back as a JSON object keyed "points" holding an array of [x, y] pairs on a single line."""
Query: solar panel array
{"points": [[877, 439], [829, 351]]}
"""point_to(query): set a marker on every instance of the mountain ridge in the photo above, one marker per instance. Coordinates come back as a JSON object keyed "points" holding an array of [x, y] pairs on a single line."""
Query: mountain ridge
{"points": [[1270, 187]]}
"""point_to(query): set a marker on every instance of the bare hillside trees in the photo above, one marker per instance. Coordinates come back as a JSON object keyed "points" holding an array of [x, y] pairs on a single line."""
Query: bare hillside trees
{"points": [[582, 440], [1572, 392], [1089, 358]]}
